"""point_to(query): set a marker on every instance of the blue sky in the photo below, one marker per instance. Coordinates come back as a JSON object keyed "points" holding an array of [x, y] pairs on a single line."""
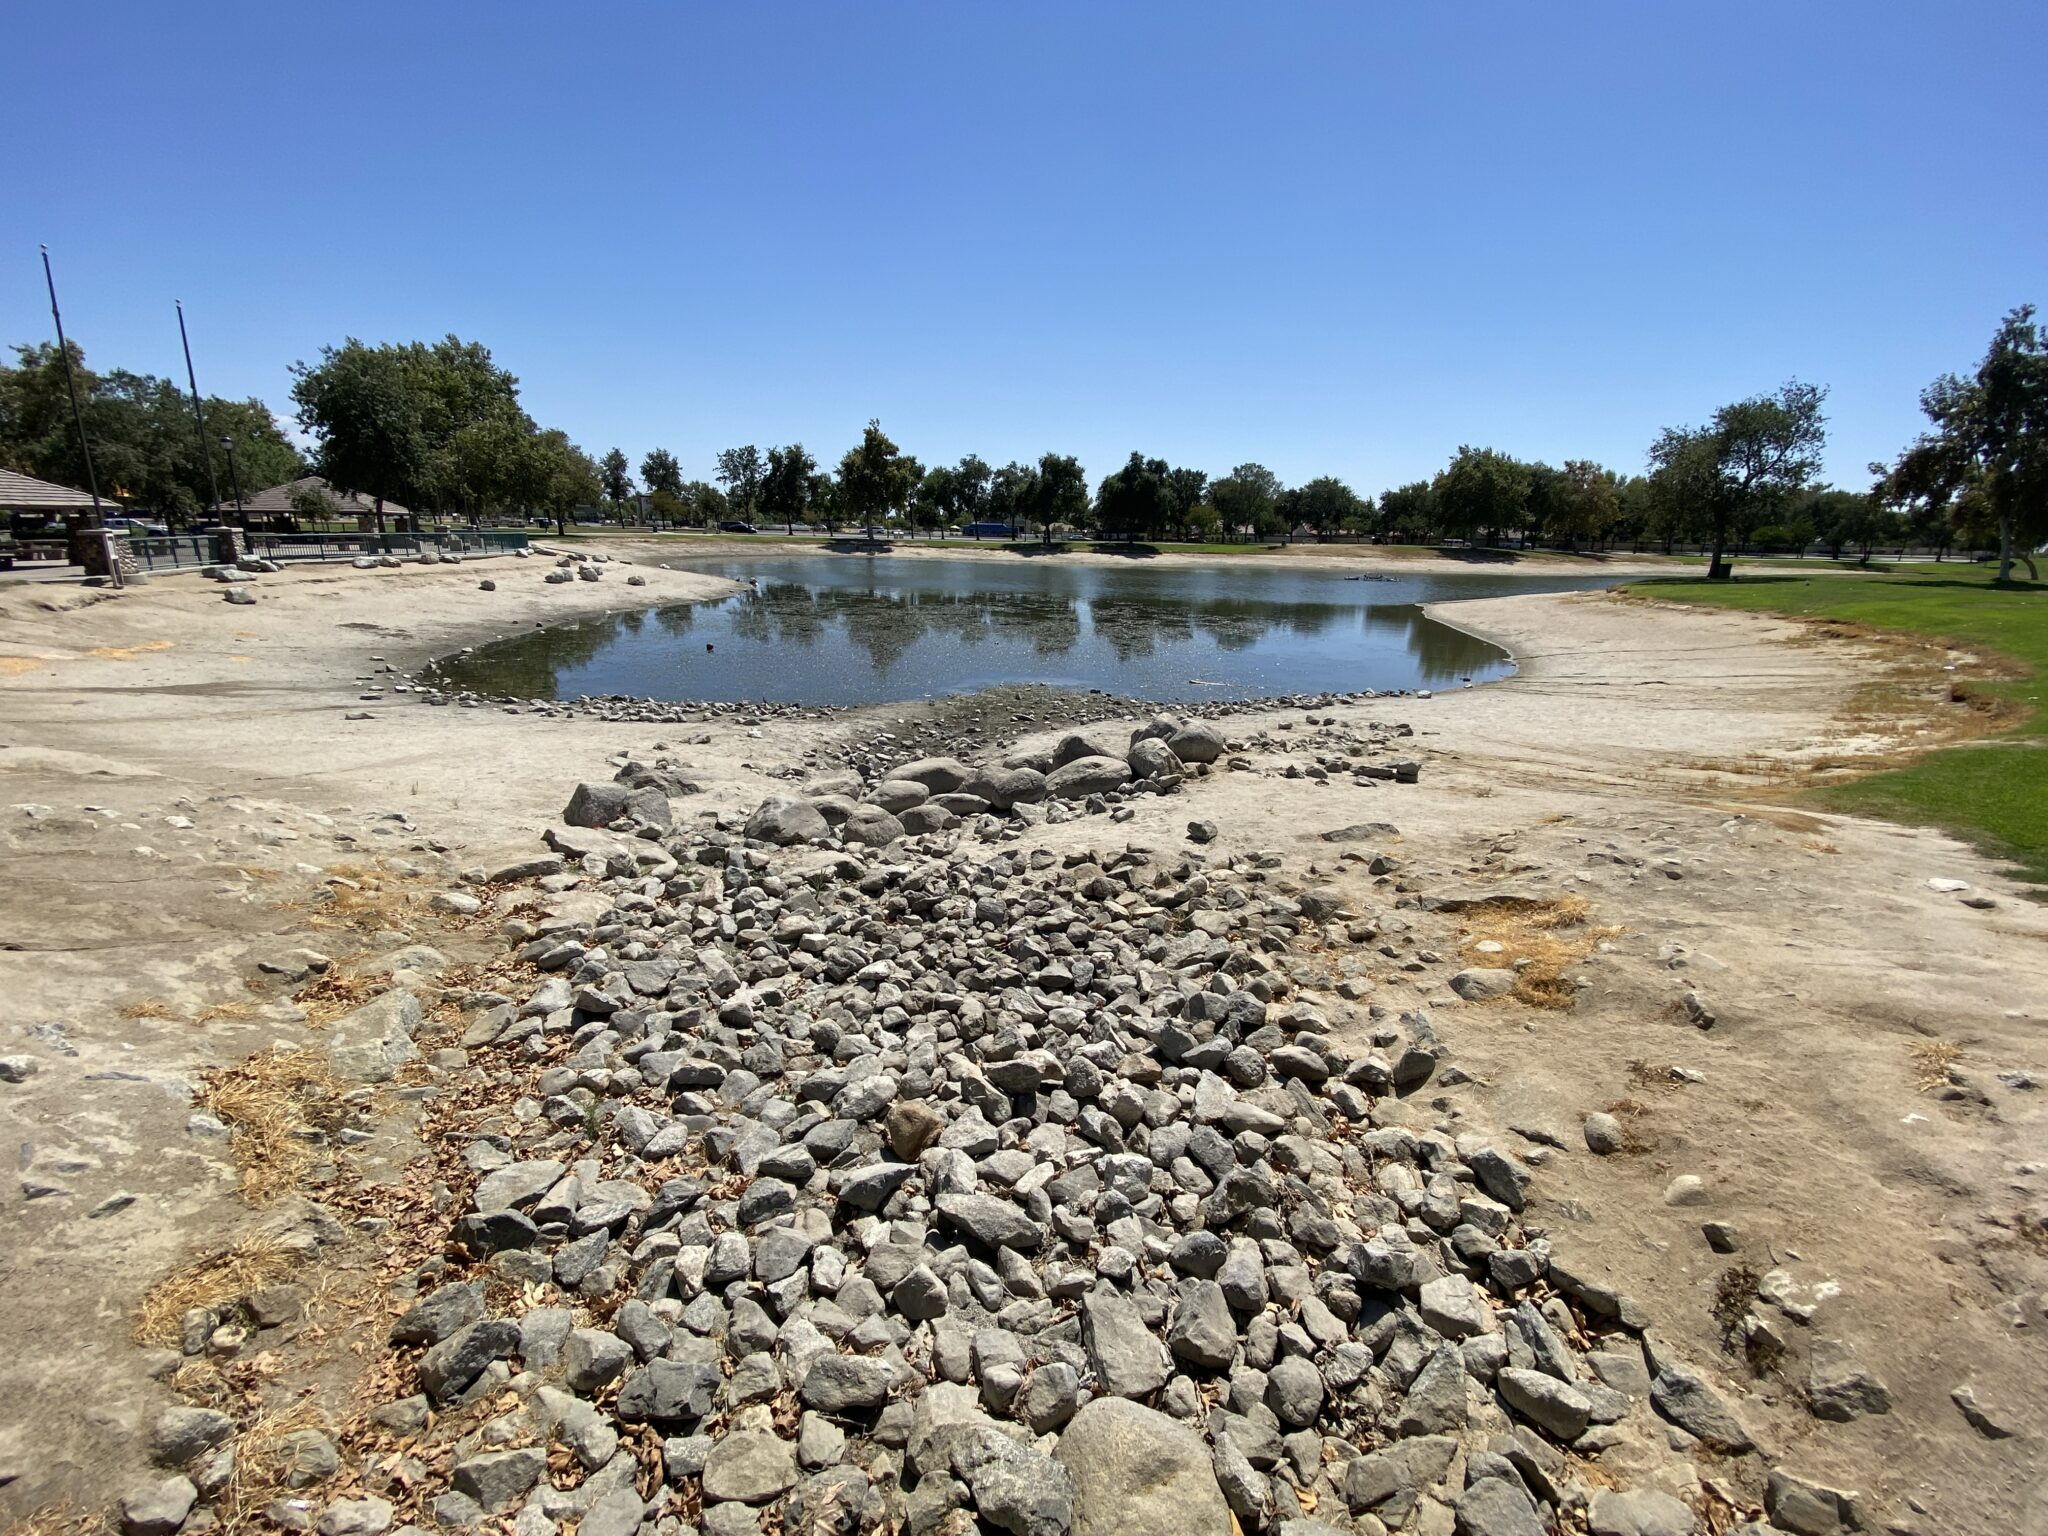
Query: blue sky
{"points": [[1334, 238]]}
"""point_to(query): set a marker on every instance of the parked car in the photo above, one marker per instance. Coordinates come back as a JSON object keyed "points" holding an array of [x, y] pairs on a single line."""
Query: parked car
{"points": [[137, 527], [737, 527]]}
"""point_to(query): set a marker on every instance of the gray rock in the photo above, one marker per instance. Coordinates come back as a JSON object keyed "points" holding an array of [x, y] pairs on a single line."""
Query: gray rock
{"points": [[593, 1359], [1604, 1134], [1482, 984], [1839, 1388], [355, 1517], [1196, 742], [1979, 1417], [17, 1069], [1050, 1397], [158, 1509], [782, 820], [819, 1442], [898, 795], [1087, 776], [1807, 1508], [183, 1434], [843, 1383], [517, 1185], [669, 1390], [750, 1465], [615, 1512], [596, 805], [1003, 788], [1639, 1512], [1551, 1405], [1688, 1400], [1153, 759], [1437, 1401], [1452, 1305], [1500, 1176], [991, 1221], [1125, 1357], [871, 827], [1494, 1506], [455, 1362], [940, 775], [1395, 1477], [1015, 1488], [1294, 1391], [497, 1478], [1203, 1332], [1137, 1472]]}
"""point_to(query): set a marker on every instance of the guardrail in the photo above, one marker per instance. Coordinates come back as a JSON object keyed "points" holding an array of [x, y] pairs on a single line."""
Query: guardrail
{"points": [[180, 550]]}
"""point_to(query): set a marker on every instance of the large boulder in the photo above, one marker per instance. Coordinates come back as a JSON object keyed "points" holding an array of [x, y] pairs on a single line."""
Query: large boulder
{"points": [[1196, 742], [939, 775], [1005, 787], [1158, 728], [1154, 759], [596, 805], [871, 826], [898, 795], [1137, 1472], [1091, 743], [783, 820], [1086, 776]]}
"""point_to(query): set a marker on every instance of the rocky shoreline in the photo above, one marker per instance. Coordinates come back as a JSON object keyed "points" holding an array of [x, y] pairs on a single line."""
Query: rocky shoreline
{"points": [[846, 1167]]}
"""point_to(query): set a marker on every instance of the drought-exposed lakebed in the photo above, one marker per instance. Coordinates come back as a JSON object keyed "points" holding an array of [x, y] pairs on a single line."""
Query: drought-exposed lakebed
{"points": [[828, 630]]}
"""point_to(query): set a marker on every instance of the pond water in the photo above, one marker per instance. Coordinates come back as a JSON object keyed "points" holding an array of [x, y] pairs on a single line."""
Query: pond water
{"points": [[838, 629]]}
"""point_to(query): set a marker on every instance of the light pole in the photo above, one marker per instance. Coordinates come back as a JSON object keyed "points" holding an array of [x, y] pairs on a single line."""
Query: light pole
{"points": [[235, 479]]}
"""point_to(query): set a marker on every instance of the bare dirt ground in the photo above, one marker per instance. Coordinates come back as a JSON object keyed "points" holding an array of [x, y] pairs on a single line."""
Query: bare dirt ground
{"points": [[184, 789]]}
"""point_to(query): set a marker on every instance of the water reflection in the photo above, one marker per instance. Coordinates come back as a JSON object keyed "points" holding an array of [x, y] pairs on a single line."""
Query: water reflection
{"points": [[828, 630]]}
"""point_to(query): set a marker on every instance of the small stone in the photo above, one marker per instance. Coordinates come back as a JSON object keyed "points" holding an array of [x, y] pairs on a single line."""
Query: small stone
{"points": [[496, 1478], [183, 1434], [18, 1069], [839, 1383], [356, 1517], [1965, 1399], [1686, 1189], [751, 1466], [1604, 1134], [1554, 1406], [1838, 1388], [911, 1126], [1640, 1512], [158, 1509], [1137, 1472]]}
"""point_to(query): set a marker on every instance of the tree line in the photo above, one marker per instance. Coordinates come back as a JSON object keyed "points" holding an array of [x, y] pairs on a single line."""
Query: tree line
{"points": [[438, 427]]}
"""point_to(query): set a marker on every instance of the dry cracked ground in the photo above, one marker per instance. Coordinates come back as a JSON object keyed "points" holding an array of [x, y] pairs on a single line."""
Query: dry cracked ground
{"points": [[1469, 1115]]}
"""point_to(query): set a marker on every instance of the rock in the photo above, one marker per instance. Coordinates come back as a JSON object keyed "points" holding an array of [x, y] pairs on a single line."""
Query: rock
{"points": [[517, 1185], [17, 1069], [1004, 788], [1604, 1134], [495, 1479], [593, 1359], [1452, 1305], [440, 1313], [596, 805], [1500, 1176], [1294, 1391], [1688, 1400], [355, 1517], [1437, 1401], [911, 1126], [842, 1383], [1126, 1358], [1640, 1512], [183, 1434], [1481, 984], [158, 1509], [1965, 1399], [1554, 1406], [666, 1391], [1137, 1472], [372, 1043], [898, 795], [1087, 776], [1153, 759], [1686, 1189], [1807, 1508], [241, 597], [1203, 1332], [1196, 742], [617, 1511], [1015, 1488], [749, 1465], [782, 820], [1838, 1388], [939, 775], [990, 1221], [870, 827], [1201, 831], [1395, 1477], [1494, 1506]]}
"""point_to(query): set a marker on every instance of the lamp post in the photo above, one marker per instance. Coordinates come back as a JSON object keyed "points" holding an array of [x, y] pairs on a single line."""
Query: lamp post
{"points": [[234, 479]]}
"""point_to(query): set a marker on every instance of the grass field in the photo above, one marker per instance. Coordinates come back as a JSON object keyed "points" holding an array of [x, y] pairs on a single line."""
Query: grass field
{"points": [[1993, 791]]}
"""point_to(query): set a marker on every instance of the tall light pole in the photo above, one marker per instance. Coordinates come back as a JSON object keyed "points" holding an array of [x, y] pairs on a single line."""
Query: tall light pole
{"points": [[235, 478], [71, 387], [198, 410]]}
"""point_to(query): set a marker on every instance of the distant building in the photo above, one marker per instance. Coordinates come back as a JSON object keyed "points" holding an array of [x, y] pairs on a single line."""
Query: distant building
{"points": [[275, 504]]}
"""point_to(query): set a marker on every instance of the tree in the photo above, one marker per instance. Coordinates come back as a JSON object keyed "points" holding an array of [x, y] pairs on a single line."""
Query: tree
{"points": [[786, 487], [617, 476], [1059, 494], [1762, 451], [1133, 500], [875, 479], [969, 485], [1988, 454], [1326, 504], [659, 471], [1247, 500], [1408, 513], [1185, 489], [1584, 503], [1011, 493], [706, 504], [740, 471], [1684, 484], [1482, 491], [372, 435]]}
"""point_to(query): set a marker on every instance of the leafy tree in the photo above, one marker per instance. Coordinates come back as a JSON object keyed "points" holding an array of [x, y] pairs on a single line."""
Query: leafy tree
{"points": [[1247, 500], [1482, 491], [1408, 513], [617, 476], [1990, 443], [1012, 491], [740, 471], [1185, 489], [1133, 500], [1327, 504], [1684, 484], [875, 479], [1762, 451], [968, 485], [1059, 494], [1584, 502], [707, 504], [659, 471], [786, 487], [825, 501]]}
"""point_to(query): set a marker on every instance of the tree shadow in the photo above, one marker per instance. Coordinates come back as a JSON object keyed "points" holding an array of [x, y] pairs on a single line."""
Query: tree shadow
{"points": [[1128, 551], [859, 546]]}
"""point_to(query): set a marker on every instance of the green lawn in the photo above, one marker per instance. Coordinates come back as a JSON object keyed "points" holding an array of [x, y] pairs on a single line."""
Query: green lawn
{"points": [[1993, 791]]}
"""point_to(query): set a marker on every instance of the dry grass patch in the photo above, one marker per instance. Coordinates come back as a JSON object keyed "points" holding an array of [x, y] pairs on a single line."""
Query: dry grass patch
{"points": [[364, 897], [272, 1104], [1635, 1141], [1539, 941], [237, 1008], [1932, 1060], [327, 997], [148, 1008], [214, 1282]]}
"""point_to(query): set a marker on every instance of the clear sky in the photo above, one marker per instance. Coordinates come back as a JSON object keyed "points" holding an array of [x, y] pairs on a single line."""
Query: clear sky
{"points": [[1336, 238]]}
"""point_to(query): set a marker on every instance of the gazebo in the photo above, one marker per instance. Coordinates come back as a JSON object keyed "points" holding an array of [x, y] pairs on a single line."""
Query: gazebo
{"points": [[276, 504]]}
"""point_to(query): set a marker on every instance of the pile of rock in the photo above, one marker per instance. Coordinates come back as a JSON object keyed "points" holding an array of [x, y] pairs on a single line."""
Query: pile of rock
{"points": [[852, 1182]]}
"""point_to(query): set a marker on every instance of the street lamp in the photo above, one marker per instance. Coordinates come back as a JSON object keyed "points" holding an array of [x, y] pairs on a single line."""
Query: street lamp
{"points": [[234, 479]]}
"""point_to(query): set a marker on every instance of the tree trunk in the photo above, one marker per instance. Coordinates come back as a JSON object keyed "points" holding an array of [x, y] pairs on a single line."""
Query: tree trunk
{"points": [[2005, 551], [1718, 569]]}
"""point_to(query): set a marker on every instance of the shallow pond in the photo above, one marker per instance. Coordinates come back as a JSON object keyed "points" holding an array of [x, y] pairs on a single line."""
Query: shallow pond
{"points": [[837, 629]]}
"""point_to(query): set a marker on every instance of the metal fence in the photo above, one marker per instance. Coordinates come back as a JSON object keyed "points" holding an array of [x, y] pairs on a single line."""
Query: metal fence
{"points": [[171, 552]]}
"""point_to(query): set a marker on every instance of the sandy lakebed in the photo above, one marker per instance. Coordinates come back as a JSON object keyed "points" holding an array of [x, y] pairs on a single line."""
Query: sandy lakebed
{"points": [[195, 792]]}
